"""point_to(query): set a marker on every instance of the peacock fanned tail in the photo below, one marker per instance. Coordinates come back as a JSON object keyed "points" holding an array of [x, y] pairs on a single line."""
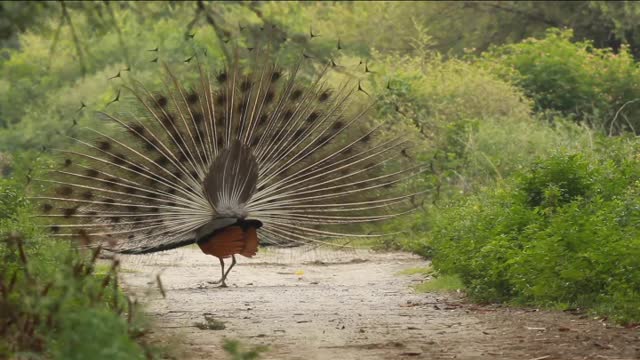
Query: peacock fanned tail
{"points": [[247, 143]]}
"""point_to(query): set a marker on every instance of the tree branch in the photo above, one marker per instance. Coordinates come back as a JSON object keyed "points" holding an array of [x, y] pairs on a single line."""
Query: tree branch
{"points": [[219, 32], [66, 16], [125, 51], [54, 42]]}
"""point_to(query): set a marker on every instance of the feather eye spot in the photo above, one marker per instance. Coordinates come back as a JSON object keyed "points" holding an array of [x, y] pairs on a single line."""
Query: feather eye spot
{"points": [[87, 195], [222, 77], [178, 174], [119, 159], [198, 118], [47, 208], [346, 151], [287, 115], [150, 145], [168, 120], [338, 125], [92, 173], [324, 96], [298, 134], [162, 161], [220, 99], [136, 168], [65, 190], [67, 162], [192, 98], [263, 119], [296, 94], [54, 229], [150, 181], [242, 107], [136, 129], [104, 145], [269, 96], [131, 236], [69, 212], [313, 117], [162, 101], [245, 85], [115, 219], [275, 76], [324, 139], [110, 182]]}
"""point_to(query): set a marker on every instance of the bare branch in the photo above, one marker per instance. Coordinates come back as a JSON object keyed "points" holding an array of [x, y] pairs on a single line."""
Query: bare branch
{"points": [[66, 16]]}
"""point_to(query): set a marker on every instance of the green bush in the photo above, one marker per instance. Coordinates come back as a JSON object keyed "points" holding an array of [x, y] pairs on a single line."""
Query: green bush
{"points": [[474, 127], [596, 86], [561, 233], [556, 181], [53, 302]]}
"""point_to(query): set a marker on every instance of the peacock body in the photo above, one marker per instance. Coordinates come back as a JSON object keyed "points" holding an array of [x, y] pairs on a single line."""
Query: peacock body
{"points": [[252, 154]]}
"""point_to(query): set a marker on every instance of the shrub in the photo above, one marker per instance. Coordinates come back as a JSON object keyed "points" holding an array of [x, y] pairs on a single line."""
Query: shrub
{"points": [[596, 86], [561, 233], [53, 303]]}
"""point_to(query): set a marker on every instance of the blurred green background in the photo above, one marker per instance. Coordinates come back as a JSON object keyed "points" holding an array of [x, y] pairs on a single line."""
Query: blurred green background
{"points": [[528, 113]]}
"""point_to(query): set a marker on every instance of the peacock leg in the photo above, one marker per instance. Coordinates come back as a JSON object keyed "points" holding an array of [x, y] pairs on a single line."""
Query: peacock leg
{"points": [[221, 280], [224, 276]]}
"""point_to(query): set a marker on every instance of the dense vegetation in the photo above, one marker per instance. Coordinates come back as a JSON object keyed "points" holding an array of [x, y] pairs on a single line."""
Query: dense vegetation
{"points": [[529, 129], [563, 232], [47, 284]]}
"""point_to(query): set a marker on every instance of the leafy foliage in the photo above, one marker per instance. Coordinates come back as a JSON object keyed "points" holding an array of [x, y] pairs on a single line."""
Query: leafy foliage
{"points": [[561, 233], [473, 27], [238, 351], [54, 301], [593, 85]]}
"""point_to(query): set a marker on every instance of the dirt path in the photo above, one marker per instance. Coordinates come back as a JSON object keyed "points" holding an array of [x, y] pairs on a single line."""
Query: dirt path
{"points": [[350, 305]]}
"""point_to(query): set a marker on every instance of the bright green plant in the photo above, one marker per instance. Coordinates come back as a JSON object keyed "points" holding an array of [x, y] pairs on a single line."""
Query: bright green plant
{"points": [[562, 233], [53, 303]]}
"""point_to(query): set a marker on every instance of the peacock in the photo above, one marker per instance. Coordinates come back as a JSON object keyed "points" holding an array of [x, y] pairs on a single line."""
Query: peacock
{"points": [[249, 154]]}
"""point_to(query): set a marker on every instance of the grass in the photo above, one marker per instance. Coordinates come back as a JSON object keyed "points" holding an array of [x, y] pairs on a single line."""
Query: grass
{"points": [[239, 351], [59, 304], [434, 282], [426, 271], [440, 284]]}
